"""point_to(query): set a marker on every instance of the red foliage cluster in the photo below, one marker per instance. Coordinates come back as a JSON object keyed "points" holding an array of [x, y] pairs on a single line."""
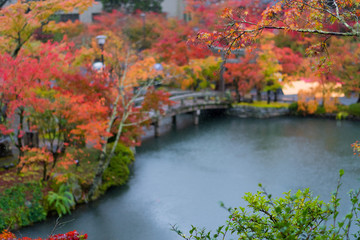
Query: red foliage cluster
{"points": [[73, 235]]}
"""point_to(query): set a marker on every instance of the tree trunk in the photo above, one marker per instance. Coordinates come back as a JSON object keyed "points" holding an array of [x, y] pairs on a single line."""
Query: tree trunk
{"points": [[16, 51], [275, 96], [99, 173], [44, 171], [358, 100], [19, 144], [258, 95], [55, 158], [237, 96], [268, 97], [104, 158], [3, 115]]}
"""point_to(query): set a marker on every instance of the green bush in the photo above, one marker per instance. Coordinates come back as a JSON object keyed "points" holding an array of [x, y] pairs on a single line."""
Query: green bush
{"points": [[83, 173], [293, 107], [341, 115], [320, 110], [354, 109], [61, 201], [343, 108], [118, 171], [294, 216], [21, 205]]}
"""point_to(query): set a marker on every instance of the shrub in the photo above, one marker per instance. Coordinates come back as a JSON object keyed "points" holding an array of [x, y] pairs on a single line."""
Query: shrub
{"points": [[294, 216], [21, 205], [320, 110], [354, 109], [343, 108], [293, 107], [62, 201], [73, 235], [118, 171], [331, 105], [341, 115], [83, 172]]}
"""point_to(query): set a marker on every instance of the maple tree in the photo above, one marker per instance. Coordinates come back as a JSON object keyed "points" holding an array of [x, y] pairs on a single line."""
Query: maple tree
{"points": [[40, 95], [318, 21], [124, 113], [244, 76], [327, 18], [290, 62], [171, 45], [142, 29], [201, 73], [18, 24], [204, 14], [271, 70], [37, 157], [307, 102], [19, 21], [46, 86], [18, 76], [344, 57], [242, 26], [129, 75]]}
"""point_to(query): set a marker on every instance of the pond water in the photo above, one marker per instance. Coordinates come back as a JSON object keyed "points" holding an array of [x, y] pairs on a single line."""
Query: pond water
{"points": [[181, 177]]}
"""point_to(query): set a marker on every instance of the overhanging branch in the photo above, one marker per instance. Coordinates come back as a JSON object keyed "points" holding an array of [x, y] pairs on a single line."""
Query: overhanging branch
{"points": [[302, 30]]}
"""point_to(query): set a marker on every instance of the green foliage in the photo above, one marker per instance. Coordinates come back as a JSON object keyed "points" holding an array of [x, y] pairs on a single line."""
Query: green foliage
{"points": [[118, 171], [88, 162], [343, 108], [285, 40], [264, 104], [201, 73], [293, 107], [21, 205], [341, 115], [61, 201], [354, 109], [294, 216], [320, 110], [142, 36]]}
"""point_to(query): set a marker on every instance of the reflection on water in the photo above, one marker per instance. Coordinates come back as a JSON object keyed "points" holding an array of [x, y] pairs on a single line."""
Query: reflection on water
{"points": [[180, 177]]}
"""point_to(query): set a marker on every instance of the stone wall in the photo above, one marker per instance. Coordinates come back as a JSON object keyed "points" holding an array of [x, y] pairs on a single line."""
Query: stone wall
{"points": [[257, 112]]}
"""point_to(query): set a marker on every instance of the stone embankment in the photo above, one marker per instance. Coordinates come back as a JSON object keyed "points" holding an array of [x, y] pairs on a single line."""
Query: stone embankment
{"points": [[257, 112]]}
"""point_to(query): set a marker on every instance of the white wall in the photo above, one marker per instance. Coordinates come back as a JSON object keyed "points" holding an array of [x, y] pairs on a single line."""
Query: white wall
{"points": [[86, 17], [174, 8]]}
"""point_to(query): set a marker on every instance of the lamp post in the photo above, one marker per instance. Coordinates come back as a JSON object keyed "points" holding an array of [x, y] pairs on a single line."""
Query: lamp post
{"points": [[158, 68], [101, 39]]}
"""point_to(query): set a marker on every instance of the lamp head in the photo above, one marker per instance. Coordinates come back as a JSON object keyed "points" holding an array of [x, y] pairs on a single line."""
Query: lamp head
{"points": [[101, 40]]}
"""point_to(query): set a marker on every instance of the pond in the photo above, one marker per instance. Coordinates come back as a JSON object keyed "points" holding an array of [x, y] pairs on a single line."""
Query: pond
{"points": [[181, 177]]}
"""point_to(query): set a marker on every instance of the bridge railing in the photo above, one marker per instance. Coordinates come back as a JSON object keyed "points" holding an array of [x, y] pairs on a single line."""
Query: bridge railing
{"points": [[185, 96], [204, 97]]}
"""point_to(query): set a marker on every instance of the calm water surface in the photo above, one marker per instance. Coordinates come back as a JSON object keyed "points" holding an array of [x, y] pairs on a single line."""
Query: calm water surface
{"points": [[181, 177]]}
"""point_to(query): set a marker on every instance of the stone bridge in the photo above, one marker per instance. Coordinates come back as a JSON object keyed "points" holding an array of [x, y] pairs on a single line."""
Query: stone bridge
{"points": [[189, 102]]}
